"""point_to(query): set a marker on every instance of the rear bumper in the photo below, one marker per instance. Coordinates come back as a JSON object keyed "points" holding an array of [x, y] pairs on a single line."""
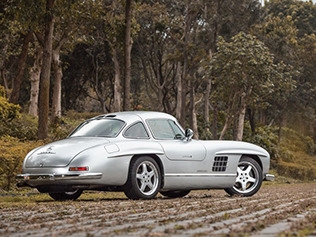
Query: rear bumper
{"points": [[33, 179], [269, 177]]}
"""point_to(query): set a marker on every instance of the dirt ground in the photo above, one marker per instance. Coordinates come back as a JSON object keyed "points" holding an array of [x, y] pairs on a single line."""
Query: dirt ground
{"points": [[276, 210]]}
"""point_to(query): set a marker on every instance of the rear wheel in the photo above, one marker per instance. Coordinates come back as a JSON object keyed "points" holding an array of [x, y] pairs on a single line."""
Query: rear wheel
{"points": [[175, 193], [64, 196], [249, 178], [144, 179]]}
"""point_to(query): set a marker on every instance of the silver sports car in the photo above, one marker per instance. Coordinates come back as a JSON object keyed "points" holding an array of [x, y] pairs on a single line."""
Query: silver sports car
{"points": [[142, 153]]}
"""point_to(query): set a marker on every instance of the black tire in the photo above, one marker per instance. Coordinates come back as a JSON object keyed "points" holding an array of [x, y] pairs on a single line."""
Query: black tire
{"points": [[249, 178], [65, 196], [175, 193], [144, 179]]}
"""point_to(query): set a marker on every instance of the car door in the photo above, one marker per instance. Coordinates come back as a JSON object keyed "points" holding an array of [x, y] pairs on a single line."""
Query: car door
{"points": [[181, 150], [173, 142]]}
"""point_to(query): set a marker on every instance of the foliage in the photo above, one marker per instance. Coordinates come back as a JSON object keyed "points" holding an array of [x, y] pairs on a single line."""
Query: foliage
{"points": [[23, 127], [297, 142], [288, 29], [267, 138], [292, 155], [262, 58], [246, 66], [61, 127], [8, 111], [18, 137], [12, 153], [303, 13], [296, 170]]}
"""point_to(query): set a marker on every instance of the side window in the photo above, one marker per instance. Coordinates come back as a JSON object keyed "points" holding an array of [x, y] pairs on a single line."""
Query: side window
{"points": [[179, 133], [164, 129], [136, 131]]}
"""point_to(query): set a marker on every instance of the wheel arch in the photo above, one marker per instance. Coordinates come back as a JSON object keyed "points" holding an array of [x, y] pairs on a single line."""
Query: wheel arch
{"points": [[157, 159], [255, 157]]}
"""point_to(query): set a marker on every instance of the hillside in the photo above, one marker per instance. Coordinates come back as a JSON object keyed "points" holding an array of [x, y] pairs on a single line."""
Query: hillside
{"points": [[296, 158]]}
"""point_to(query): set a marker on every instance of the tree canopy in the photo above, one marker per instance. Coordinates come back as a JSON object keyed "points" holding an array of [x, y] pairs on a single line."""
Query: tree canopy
{"points": [[217, 64], [246, 66]]}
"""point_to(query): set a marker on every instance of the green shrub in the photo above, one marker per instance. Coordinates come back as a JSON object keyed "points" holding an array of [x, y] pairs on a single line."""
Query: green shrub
{"points": [[61, 127], [286, 155], [8, 111], [295, 141], [266, 138], [2, 91], [23, 127], [310, 146], [12, 153], [74, 115], [296, 171]]}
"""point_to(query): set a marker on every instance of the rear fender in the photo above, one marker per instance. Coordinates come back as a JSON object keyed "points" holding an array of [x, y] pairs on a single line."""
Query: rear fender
{"points": [[159, 162]]}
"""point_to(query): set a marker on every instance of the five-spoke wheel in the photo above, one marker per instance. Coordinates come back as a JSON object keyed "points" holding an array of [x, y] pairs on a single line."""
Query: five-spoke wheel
{"points": [[144, 179], [249, 178]]}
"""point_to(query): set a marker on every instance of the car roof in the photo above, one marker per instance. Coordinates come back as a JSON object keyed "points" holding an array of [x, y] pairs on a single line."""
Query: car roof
{"points": [[132, 116]]}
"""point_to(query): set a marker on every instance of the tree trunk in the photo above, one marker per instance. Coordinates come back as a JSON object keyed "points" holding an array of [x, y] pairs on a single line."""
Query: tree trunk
{"points": [[207, 99], [4, 51], [179, 93], [185, 67], [58, 75], [117, 82], [231, 111], [193, 118], [229, 116], [207, 105], [17, 81], [127, 56], [251, 115], [241, 120], [45, 72], [34, 79], [226, 125], [214, 120]]}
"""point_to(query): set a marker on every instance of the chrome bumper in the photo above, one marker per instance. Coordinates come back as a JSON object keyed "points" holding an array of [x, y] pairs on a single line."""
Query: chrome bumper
{"points": [[269, 177], [24, 178]]}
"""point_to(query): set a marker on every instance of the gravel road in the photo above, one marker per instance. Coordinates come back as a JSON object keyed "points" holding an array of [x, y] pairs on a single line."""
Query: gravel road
{"points": [[276, 210]]}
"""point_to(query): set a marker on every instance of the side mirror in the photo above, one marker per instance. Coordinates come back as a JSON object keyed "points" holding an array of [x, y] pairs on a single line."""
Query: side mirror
{"points": [[188, 134]]}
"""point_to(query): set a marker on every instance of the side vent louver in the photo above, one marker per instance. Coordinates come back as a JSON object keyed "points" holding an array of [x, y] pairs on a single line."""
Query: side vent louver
{"points": [[220, 164]]}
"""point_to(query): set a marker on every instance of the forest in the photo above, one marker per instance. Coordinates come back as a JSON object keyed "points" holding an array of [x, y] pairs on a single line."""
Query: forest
{"points": [[239, 70]]}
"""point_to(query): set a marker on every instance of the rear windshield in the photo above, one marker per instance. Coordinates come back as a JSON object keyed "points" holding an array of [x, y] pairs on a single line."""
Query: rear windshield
{"points": [[99, 128]]}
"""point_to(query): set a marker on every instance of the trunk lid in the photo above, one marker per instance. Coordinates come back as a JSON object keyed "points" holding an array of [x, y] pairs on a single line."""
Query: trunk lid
{"points": [[60, 153]]}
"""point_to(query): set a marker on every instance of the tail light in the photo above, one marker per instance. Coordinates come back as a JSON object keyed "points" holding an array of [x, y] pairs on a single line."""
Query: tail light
{"points": [[80, 168]]}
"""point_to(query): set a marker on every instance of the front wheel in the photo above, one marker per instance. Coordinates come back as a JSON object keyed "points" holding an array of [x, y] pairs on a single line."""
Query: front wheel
{"points": [[64, 196], [144, 179], [249, 178]]}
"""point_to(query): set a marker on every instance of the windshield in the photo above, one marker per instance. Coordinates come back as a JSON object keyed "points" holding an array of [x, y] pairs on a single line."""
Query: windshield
{"points": [[99, 128]]}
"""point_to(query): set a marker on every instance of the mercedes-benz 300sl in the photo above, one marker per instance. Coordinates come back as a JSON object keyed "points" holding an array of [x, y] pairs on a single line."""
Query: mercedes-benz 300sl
{"points": [[142, 153]]}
